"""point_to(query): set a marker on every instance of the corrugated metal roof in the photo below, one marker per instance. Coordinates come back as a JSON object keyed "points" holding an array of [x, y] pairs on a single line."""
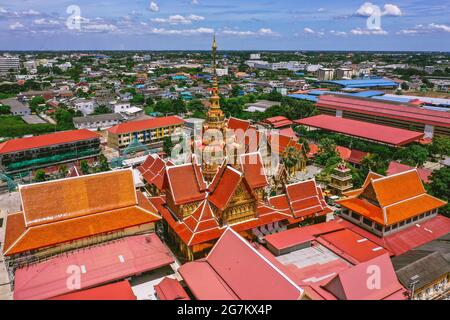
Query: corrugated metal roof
{"points": [[365, 130], [96, 265]]}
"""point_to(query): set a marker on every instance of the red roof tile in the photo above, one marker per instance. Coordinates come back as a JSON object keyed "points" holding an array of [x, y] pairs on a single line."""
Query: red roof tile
{"points": [[225, 189], [136, 126], [253, 169], [46, 140], [184, 184]]}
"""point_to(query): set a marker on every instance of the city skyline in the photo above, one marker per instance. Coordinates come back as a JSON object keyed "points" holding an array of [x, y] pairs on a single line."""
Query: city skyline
{"points": [[250, 25]]}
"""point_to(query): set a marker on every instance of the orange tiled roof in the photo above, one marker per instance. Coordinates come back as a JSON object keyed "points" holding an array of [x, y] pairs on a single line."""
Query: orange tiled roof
{"points": [[364, 208], [69, 198], [407, 209], [41, 236], [70, 209], [400, 197], [398, 187]]}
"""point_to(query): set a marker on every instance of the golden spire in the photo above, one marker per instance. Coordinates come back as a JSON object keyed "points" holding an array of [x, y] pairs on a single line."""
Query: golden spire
{"points": [[215, 117]]}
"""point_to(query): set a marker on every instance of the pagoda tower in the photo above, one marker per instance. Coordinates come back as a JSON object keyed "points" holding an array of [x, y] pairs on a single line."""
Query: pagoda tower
{"points": [[215, 117], [214, 128], [341, 179]]}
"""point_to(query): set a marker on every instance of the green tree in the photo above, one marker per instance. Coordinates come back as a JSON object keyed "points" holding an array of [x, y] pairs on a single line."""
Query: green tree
{"points": [[138, 99], [101, 109], [40, 176], [36, 102], [5, 109], [413, 155], [440, 187], [63, 171], [375, 163], [104, 166], [150, 101], [168, 146], [291, 158], [84, 167], [440, 146], [327, 153]]}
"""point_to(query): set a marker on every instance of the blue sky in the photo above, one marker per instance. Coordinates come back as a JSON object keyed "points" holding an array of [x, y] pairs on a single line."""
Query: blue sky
{"points": [[239, 25]]}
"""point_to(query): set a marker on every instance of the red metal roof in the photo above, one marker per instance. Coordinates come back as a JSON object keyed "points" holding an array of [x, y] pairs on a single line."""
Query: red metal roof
{"points": [[409, 238], [46, 140], [114, 291], [353, 283], [235, 270], [136, 126], [95, 266], [351, 246], [396, 167], [385, 109], [170, 289], [365, 130]]}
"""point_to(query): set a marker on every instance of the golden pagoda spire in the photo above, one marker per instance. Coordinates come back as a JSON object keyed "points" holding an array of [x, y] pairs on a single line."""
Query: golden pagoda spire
{"points": [[216, 117]]}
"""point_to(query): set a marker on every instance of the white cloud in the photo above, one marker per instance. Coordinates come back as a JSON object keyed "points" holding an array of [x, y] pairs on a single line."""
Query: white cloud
{"points": [[100, 28], [154, 6], [183, 32], [338, 33], [366, 9], [261, 32], [422, 29], [359, 31], [179, 19], [16, 26], [30, 12], [46, 22], [441, 27], [392, 10], [321, 9], [195, 2], [310, 31]]}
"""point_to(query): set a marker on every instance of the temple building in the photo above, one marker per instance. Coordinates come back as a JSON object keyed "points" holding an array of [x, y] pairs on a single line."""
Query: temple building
{"points": [[386, 205], [196, 213], [341, 179], [72, 213]]}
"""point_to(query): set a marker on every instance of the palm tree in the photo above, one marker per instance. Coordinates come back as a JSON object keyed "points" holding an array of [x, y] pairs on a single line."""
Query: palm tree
{"points": [[291, 157]]}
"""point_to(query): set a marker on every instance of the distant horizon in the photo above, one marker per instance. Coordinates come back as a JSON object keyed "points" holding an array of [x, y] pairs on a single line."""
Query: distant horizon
{"points": [[224, 50], [240, 25]]}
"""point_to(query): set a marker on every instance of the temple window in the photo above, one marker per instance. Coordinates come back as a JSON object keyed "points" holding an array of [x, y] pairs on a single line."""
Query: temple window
{"points": [[367, 222], [355, 216]]}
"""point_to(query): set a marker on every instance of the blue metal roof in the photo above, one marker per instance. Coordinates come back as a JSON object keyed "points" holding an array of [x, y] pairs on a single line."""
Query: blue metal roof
{"points": [[304, 97], [395, 99], [367, 94], [363, 83]]}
